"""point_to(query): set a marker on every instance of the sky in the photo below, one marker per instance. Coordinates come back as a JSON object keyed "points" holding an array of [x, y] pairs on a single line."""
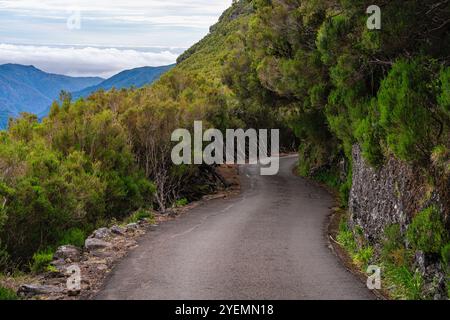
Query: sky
{"points": [[102, 37]]}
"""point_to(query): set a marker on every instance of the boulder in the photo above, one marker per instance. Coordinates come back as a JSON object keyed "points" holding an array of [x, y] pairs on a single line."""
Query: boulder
{"points": [[96, 244], [101, 233], [68, 252], [28, 290], [118, 230], [132, 227]]}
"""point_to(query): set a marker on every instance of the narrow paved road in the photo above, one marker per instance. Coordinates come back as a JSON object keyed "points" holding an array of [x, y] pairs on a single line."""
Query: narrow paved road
{"points": [[267, 243]]}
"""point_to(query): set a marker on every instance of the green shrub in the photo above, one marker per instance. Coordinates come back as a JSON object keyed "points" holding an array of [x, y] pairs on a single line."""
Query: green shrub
{"points": [[405, 116], [74, 236], [331, 178], [346, 238], [314, 158], [7, 294], [344, 193], [64, 184], [406, 284], [140, 215], [392, 241], [364, 256], [427, 232], [328, 177], [444, 97], [4, 258], [181, 202], [41, 261], [445, 254], [440, 158]]}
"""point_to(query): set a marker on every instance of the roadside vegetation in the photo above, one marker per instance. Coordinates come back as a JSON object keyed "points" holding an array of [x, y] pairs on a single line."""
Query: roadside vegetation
{"points": [[95, 161], [338, 84], [310, 68], [400, 274], [8, 294]]}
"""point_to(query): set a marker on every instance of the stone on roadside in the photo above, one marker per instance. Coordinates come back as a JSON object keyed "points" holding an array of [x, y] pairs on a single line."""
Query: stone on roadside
{"points": [[132, 227], [96, 244], [29, 290], [101, 233], [67, 252], [118, 230]]}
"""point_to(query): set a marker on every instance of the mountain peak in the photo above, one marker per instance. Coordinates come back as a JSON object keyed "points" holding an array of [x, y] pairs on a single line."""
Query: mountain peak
{"points": [[137, 77], [19, 67]]}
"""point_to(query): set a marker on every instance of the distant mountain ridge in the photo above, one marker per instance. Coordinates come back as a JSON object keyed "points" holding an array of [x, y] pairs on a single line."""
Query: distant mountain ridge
{"points": [[28, 89], [138, 77]]}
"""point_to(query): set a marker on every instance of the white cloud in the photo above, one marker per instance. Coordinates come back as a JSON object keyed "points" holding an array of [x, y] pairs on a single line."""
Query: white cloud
{"points": [[33, 32], [86, 61]]}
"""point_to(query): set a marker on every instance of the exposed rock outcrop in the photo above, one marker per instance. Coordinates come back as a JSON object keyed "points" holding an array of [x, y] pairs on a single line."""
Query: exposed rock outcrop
{"points": [[391, 194], [394, 194]]}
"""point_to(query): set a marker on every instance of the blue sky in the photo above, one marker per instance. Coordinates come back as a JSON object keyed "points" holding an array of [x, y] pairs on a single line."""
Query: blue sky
{"points": [[101, 37]]}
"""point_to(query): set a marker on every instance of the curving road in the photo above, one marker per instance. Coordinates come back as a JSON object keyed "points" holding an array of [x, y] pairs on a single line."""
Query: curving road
{"points": [[267, 243]]}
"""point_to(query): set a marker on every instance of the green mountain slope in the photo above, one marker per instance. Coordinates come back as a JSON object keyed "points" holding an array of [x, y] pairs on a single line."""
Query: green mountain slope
{"points": [[207, 56]]}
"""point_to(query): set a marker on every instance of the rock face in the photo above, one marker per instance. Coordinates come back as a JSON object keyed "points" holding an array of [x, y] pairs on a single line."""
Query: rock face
{"points": [[391, 194]]}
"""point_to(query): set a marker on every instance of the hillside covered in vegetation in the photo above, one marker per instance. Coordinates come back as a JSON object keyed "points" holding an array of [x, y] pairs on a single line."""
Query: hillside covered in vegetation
{"points": [[311, 68]]}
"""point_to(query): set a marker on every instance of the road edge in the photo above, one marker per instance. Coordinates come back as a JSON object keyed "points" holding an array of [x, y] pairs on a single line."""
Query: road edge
{"points": [[331, 229]]}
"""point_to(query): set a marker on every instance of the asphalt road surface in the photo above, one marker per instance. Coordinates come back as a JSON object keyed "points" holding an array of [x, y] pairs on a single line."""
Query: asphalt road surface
{"points": [[267, 243]]}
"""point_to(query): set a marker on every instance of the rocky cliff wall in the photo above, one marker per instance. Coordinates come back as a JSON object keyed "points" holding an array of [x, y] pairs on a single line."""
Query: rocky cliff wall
{"points": [[391, 194], [394, 194]]}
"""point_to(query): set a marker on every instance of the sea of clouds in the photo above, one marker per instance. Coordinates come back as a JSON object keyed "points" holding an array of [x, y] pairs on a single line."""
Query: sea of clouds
{"points": [[113, 35], [86, 61]]}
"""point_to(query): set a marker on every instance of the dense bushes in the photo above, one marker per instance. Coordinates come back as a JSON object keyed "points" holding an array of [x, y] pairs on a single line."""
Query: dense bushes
{"points": [[107, 157], [309, 68], [410, 116], [41, 261], [337, 84], [342, 83], [8, 294], [361, 253], [98, 159], [427, 232], [53, 186]]}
